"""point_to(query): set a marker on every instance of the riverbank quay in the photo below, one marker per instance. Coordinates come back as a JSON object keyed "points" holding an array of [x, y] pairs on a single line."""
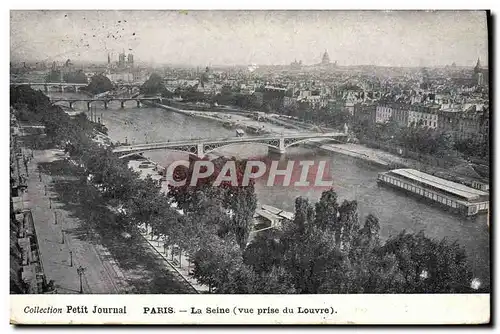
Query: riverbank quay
{"points": [[238, 120], [363, 153], [196, 106], [190, 113]]}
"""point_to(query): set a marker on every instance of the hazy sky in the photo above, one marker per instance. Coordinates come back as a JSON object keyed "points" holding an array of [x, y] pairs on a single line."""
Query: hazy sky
{"points": [[246, 37]]}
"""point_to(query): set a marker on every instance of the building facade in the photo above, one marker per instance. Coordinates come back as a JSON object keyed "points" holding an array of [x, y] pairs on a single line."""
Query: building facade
{"points": [[383, 113], [426, 116], [365, 113], [465, 124]]}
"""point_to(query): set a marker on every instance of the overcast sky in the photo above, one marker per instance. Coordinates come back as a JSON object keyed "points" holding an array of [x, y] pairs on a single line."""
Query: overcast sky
{"points": [[252, 37]]}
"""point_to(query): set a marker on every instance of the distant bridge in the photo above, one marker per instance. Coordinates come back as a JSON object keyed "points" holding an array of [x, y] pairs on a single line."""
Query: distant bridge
{"points": [[201, 147], [75, 86], [106, 100], [46, 85]]}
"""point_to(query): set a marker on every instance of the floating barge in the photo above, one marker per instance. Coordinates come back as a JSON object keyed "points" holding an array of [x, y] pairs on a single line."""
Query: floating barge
{"points": [[253, 130], [268, 216], [455, 196]]}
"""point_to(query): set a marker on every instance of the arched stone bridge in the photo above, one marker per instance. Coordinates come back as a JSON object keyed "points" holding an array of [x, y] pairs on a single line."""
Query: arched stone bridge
{"points": [[201, 147], [47, 85], [106, 100], [62, 85]]}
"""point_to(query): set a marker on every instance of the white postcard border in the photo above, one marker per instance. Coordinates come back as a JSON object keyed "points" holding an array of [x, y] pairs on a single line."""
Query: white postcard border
{"points": [[252, 309]]}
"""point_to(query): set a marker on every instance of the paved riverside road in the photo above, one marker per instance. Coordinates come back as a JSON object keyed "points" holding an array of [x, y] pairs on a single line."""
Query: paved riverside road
{"points": [[101, 275]]}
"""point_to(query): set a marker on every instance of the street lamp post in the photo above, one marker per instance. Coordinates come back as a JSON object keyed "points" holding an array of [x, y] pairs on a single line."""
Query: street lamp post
{"points": [[80, 270], [25, 165], [62, 231]]}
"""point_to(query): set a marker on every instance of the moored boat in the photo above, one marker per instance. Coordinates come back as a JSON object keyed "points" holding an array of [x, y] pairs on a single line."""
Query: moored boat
{"points": [[253, 130]]}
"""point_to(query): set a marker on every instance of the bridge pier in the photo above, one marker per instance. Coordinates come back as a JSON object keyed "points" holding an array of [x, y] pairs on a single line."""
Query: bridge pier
{"points": [[75, 88], [88, 106], [70, 104], [122, 104], [106, 105], [139, 104], [281, 149], [200, 153], [46, 88], [61, 88]]}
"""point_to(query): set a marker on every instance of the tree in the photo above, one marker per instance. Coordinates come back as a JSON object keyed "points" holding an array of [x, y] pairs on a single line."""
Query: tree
{"points": [[275, 281], [76, 77], [53, 76], [237, 204], [146, 201], [428, 265], [265, 252], [153, 86], [327, 210], [99, 84], [216, 262]]}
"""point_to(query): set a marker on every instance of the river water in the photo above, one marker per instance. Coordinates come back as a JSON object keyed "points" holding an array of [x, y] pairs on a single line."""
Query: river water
{"points": [[353, 179]]}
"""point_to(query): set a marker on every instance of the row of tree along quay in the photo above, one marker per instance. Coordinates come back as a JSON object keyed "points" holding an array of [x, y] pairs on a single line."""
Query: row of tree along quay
{"points": [[327, 248]]}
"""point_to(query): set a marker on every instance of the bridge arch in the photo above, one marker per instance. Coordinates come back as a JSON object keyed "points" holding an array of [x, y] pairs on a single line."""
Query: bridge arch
{"points": [[64, 103], [209, 148], [139, 152], [98, 102], [297, 142]]}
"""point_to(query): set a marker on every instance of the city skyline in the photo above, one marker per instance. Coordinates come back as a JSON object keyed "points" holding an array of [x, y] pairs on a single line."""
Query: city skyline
{"points": [[253, 37]]}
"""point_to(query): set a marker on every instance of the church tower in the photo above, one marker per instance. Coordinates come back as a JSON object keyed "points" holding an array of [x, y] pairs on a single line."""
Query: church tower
{"points": [[477, 69], [478, 74]]}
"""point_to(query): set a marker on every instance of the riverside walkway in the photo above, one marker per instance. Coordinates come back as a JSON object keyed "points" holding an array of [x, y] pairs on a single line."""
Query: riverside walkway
{"points": [[180, 262]]}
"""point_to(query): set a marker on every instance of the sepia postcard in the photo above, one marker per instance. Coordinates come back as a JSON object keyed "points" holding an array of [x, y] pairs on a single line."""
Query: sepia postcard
{"points": [[249, 167]]}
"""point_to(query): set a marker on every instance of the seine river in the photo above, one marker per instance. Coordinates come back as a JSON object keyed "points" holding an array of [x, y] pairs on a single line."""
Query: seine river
{"points": [[353, 179]]}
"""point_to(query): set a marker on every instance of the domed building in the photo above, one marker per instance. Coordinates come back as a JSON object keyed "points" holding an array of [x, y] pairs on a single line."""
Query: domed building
{"points": [[325, 60]]}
